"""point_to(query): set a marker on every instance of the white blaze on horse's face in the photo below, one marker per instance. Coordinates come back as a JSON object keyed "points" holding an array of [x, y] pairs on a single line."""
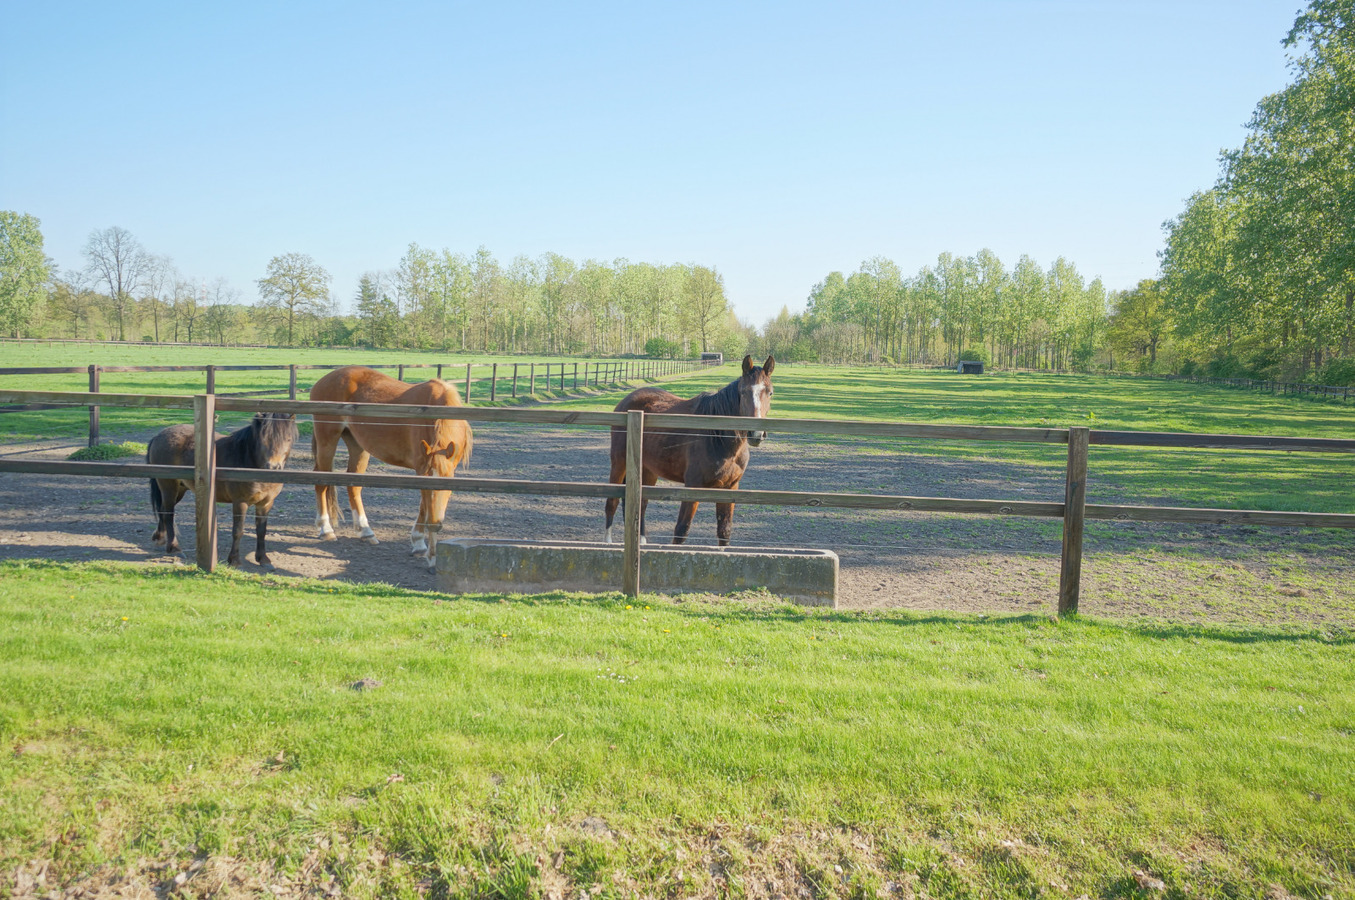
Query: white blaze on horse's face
{"points": [[762, 401]]}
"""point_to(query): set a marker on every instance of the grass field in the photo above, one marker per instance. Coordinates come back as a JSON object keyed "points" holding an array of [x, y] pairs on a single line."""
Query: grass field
{"points": [[159, 722]]}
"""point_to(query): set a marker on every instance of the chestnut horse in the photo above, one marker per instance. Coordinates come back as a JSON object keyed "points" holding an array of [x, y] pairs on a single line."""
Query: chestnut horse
{"points": [[713, 459], [433, 447], [265, 443]]}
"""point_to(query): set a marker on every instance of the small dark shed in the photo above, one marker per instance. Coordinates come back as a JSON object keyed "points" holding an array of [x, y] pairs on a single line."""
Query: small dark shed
{"points": [[716, 358], [970, 367]]}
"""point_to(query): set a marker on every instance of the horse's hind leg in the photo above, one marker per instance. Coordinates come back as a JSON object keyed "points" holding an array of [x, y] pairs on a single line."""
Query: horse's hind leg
{"points": [[357, 464], [237, 531], [158, 536], [324, 441], [684, 521], [170, 494]]}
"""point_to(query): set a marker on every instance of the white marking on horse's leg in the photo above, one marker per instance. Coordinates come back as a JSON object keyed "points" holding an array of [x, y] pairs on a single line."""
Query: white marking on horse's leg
{"points": [[608, 532], [322, 521], [643, 541], [365, 531], [417, 543]]}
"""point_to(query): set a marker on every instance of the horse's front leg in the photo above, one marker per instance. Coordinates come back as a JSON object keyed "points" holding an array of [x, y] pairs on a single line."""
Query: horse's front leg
{"points": [[724, 523], [261, 511], [237, 531], [684, 521]]}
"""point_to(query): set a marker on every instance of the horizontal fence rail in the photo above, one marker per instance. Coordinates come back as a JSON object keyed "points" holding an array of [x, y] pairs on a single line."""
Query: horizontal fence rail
{"points": [[1073, 510]]}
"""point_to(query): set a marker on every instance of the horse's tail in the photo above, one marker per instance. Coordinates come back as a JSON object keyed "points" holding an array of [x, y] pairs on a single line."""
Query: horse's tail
{"points": [[157, 500], [332, 501]]}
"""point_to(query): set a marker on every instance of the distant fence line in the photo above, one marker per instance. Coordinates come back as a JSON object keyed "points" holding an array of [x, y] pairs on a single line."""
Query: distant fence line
{"points": [[1287, 388], [1074, 509], [594, 374]]}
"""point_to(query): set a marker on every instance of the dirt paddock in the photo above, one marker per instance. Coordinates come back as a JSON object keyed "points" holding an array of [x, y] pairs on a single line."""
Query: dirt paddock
{"points": [[922, 561]]}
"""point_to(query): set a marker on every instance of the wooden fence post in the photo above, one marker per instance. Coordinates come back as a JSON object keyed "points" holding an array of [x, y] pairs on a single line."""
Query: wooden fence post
{"points": [[291, 382], [562, 378], [635, 436], [439, 371], [515, 380], [399, 373], [211, 379], [467, 397], [576, 376], [204, 478], [493, 382], [531, 392], [93, 410], [1074, 511]]}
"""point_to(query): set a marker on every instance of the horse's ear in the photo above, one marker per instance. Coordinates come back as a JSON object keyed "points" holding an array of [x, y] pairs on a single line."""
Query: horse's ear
{"points": [[769, 365], [747, 364], [427, 448]]}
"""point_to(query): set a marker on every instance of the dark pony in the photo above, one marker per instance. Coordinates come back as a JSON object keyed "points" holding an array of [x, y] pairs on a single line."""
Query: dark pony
{"points": [[713, 459], [265, 443]]}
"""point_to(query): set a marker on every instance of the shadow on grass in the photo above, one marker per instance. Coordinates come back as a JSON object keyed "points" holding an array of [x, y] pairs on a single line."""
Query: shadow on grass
{"points": [[730, 610]]}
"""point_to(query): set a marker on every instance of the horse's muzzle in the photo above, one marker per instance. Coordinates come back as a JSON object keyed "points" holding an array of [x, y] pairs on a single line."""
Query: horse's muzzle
{"points": [[755, 438]]}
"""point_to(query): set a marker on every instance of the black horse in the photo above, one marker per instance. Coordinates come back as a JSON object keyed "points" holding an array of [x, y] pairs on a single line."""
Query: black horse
{"points": [[265, 443], [713, 459]]}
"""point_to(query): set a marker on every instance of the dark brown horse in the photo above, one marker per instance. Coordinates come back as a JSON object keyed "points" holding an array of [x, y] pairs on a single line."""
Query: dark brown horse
{"points": [[433, 447], [713, 459], [265, 443]]}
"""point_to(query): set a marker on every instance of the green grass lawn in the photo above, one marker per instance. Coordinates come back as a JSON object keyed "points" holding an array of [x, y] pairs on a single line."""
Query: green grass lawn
{"points": [[159, 721]]}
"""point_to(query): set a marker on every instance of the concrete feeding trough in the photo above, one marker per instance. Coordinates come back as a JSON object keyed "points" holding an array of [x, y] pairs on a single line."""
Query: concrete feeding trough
{"points": [[464, 565]]}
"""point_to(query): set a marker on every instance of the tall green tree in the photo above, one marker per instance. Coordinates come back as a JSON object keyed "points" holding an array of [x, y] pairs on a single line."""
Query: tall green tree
{"points": [[24, 272], [295, 286]]}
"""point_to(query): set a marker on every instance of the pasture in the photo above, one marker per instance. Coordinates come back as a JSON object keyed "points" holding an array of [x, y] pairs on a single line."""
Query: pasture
{"points": [[1189, 736]]}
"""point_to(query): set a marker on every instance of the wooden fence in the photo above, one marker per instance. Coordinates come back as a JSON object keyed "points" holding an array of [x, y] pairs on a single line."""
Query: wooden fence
{"points": [[1074, 509], [594, 374], [1287, 388]]}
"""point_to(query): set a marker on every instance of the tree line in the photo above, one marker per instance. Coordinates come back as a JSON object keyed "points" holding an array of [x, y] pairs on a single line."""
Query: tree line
{"points": [[963, 306], [431, 300]]}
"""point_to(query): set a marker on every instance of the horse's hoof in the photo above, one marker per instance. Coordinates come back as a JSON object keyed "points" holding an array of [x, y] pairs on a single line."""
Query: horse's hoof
{"points": [[371, 539], [265, 564], [233, 561], [328, 536]]}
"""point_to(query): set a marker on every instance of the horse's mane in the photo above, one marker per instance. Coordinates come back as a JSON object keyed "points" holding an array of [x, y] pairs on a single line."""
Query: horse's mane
{"points": [[724, 402], [240, 451], [446, 432]]}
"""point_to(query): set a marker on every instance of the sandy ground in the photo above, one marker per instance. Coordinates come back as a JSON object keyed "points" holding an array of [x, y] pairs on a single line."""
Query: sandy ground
{"points": [[889, 559]]}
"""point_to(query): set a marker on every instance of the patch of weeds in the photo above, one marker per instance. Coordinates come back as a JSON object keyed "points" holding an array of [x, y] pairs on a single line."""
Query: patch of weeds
{"points": [[107, 451]]}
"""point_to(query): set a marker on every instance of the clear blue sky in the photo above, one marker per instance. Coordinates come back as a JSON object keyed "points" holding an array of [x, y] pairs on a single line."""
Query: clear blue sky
{"points": [[776, 142]]}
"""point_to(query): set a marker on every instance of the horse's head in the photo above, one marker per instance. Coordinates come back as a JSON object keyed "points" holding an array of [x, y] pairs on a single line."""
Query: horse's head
{"points": [[450, 448], [274, 434], [755, 394]]}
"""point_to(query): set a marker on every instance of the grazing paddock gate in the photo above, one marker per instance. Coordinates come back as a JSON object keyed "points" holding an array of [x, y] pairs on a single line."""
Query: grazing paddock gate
{"points": [[1074, 509]]}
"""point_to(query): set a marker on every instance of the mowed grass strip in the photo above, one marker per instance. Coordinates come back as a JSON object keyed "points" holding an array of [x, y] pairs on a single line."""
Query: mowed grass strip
{"points": [[159, 721]]}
